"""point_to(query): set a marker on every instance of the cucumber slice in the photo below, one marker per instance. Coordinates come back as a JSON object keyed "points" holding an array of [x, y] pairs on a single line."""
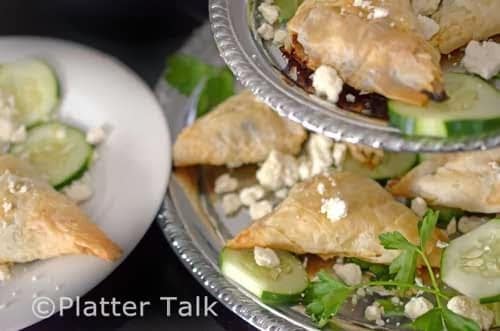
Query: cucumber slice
{"points": [[35, 88], [470, 263], [57, 150], [280, 285], [393, 165], [472, 108]]}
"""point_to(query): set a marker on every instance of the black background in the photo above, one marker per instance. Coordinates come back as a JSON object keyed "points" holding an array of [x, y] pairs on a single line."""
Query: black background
{"points": [[141, 34]]}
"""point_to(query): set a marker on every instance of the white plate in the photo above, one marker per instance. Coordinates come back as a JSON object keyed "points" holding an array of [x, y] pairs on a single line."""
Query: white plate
{"points": [[129, 178]]}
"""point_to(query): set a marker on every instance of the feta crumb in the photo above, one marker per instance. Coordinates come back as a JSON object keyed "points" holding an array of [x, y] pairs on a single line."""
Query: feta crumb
{"points": [[225, 184], [417, 306], [396, 300], [278, 171], [79, 190], [266, 31], [349, 273], [482, 58], [350, 97], [319, 149], [5, 272], [339, 154], [441, 244], [378, 12], [335, 209], [96, 136], [373, 312], [260, 209], [270, 12], [451, 228], [469, 223], [252, 194], [6, 206], [471, 308], [428, 26], [320, 188], [281, 194], [419, 281], [6, 129], [419, 206], [304, 169], [280, 36], [230, 203], [327, 82], [361, 3], [266, 257]]}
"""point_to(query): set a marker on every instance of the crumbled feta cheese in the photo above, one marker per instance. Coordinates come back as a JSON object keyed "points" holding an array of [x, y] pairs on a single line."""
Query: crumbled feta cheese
{"points": [[335, 209], [260, 209], [451, 228], [471, 308], [305, 169], [428, 26], [469, 223], [252, 194], [266, 257], [320, 188], [417, 306], [419, 281], [281, 194], [349, 273], [482, 58], [6, 206], [319, 149], [361, 3], [419, 206], [79, 190], [373, 312], [270, 12], [350, 98], [266, 31], [5, 272], [425, 7], [230, 203], [6, 129], [339, 154], [396, 300], [441, 244], [225, 184], [96, 135], [278, 171], [280, 36], [378, 12], [327, 82]]}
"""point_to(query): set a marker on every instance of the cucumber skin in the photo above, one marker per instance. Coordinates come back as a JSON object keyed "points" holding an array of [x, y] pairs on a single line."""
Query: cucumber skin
{"points": [[79, 174]]}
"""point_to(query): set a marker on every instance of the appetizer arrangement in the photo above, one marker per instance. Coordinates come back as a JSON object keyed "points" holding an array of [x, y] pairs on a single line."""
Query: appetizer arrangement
{"points": [[43, 172], [429, 68], [411, 239]]}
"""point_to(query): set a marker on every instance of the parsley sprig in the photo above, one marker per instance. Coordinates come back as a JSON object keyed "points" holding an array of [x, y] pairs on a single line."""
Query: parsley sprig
{"points": [[325, 296]]}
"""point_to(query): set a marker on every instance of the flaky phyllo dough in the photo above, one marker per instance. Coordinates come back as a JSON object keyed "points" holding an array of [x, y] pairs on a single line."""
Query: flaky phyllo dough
{"points": [[37, 222], [461, 21], [239, 131], [387, 55], [468, 181], [299, 226]]}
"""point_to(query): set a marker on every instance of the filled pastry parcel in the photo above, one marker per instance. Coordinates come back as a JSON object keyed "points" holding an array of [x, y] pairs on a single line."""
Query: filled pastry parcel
{"points": [[428, 67]]}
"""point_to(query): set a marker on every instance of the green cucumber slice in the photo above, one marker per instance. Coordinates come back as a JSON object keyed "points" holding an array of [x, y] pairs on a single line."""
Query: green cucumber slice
{"points": [[35, 88], [470, 263], [280, 285], [393, 165], [57, 150], [472, 108]]}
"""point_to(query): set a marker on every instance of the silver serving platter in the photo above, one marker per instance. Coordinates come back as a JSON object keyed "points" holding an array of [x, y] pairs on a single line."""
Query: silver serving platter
{"points": [[196, 229], [258, 66]]}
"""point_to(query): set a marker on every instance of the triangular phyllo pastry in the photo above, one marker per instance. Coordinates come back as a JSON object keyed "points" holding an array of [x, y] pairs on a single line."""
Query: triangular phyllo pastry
{"points": [[302, 224], [37, 222], [468, 181], [241, 130], [375, 48]]}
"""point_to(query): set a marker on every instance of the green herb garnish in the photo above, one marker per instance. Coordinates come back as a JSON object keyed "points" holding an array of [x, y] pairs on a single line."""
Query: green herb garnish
{"points": [[325, 296], [185, 72], [288, 8]]}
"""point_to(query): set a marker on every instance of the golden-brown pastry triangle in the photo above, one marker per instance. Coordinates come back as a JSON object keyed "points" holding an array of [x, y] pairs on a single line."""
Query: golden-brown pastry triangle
{"points": [[37, 222], [299, 226]]}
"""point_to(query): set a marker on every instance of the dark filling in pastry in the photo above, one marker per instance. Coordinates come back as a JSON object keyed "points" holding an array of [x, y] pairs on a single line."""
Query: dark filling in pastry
{"points": [[369, 104]]}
